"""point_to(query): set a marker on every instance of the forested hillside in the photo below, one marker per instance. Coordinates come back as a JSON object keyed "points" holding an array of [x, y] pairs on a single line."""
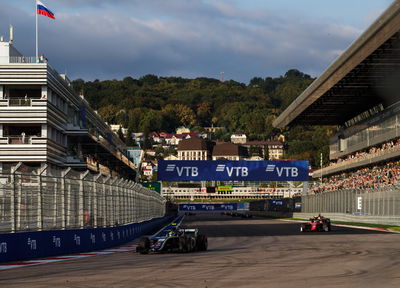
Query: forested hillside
{"points": [[153, 103]]}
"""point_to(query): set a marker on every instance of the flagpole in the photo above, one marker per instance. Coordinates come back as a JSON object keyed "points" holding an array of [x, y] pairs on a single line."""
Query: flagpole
{"points": [[37, 36]]}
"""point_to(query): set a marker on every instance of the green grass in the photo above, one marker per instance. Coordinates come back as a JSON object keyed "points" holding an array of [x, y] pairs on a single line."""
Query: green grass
{"points": [[394, 228]]}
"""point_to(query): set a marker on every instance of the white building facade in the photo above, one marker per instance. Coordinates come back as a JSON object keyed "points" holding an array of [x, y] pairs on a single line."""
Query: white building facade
{"points": [[44, 122]]}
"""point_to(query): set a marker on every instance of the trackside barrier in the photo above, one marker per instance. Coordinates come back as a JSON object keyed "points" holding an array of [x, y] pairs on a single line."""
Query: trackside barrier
{"points": [[208, 207], [27, 245], [50, 199]]}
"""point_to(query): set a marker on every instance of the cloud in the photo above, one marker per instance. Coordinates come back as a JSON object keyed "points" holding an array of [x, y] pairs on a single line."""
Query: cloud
{"points": [[179, 38]]}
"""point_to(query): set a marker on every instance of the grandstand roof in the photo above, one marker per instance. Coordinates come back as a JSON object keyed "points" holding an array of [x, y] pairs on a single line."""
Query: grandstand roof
{"points": [[365, 75]]}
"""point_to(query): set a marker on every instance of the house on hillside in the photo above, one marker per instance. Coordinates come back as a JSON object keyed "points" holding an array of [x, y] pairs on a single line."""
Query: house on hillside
{"points": [[115, 128], [213, 129], [275, 149], [238, 138], [182, 129], [229, 151], [155, 137], [138, 137], [171, 157], [195, 149], [148, 168]]}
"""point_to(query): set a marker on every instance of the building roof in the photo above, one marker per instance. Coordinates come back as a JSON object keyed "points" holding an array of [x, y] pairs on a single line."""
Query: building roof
{"points": [[154, 134], [363, 77], [194, 144], [229, 149]]}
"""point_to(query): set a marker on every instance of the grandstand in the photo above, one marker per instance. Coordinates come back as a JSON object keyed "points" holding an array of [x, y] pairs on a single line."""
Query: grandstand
{"points": [[358, 93]]}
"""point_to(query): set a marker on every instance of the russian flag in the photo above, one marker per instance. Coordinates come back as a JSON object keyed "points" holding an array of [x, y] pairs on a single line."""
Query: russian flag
{"points": [[43, 10]]}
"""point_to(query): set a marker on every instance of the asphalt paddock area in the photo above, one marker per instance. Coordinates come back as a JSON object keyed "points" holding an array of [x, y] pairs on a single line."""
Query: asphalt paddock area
{"points": [[242, 253]]}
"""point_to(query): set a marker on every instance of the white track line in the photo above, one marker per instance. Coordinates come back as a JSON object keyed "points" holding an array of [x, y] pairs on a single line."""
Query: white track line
{"points": [[66, 257]]}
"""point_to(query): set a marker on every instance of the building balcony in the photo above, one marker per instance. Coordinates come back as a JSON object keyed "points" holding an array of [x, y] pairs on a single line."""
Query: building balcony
{"points": [[71, 129], [18, 148], [22, 102], [17, 110], [22, 140], [364, 160]]}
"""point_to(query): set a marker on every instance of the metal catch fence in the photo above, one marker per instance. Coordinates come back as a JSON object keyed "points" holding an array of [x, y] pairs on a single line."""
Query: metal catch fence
{"points": [[365, 202], [47, 200]]}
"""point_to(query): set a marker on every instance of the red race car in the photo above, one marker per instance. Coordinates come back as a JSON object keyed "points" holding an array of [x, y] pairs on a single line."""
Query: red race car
{"points": [[318, 223]]}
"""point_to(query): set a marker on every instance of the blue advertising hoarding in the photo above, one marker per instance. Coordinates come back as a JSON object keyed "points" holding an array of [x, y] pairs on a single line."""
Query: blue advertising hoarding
{"points": [[178, 170], [26, 245], [208, 207]]}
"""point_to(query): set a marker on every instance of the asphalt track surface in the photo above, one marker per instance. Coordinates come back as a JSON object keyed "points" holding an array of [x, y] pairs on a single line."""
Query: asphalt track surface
{"points": [[242, 253]]}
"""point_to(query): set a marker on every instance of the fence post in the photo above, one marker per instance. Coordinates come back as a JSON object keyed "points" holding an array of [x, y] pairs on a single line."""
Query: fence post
{"points": [[119, 200], [40, 199], [95, 202], [122, 202], [65, 200], [81, 198], [134, 218], [113, 201], [106, 203], [131, 193], [12, 200]]}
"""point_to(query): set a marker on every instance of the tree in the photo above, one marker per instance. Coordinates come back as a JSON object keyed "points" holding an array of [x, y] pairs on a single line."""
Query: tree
{"points": [[149, 79], [266, 152], [129, 141], [256, 82], [186, 115], [204, 113], [120, 134], [122, 118], [108, 113], [151, 121], [153, 103]]}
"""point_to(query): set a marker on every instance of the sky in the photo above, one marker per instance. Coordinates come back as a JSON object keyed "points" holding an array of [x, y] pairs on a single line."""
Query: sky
{"points": [[112, 39]]}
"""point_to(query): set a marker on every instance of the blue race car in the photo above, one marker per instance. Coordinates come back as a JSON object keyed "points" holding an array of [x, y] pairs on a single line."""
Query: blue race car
{"points": [[173, 239]]}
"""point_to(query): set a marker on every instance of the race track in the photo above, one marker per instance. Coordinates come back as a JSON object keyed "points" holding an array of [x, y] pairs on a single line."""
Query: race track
{"points": [[242, 253]]}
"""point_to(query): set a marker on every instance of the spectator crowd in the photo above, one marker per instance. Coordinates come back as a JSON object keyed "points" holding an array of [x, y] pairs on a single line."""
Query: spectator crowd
{"points": [[370, 151], [375, 177]]}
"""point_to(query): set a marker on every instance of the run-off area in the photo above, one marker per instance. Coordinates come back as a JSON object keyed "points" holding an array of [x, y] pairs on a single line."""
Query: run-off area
{"points": [[255, 252]]}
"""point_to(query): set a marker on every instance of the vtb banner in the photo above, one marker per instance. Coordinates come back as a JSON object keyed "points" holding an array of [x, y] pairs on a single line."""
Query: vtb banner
{"points": [[232, 170], [208, 207]]}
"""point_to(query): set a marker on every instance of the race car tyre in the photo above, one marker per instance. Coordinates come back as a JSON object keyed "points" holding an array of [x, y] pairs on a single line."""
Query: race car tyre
{"points": [[205, 243], [182, 245], [193, 243], [202, 243], [189, 244], [199, 242], [144, 245]]}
